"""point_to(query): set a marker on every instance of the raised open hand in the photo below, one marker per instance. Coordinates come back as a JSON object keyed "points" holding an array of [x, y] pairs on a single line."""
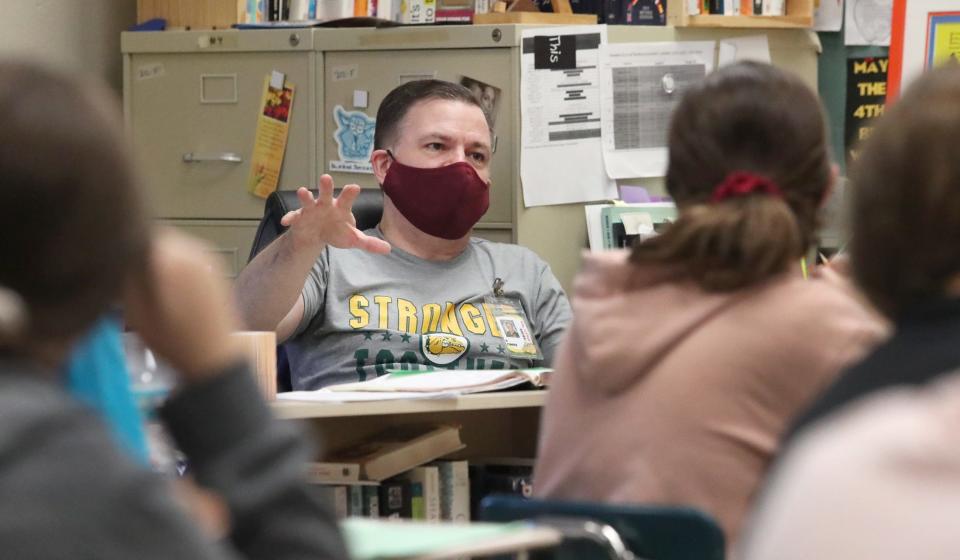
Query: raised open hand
{"points": [[329, 221]]}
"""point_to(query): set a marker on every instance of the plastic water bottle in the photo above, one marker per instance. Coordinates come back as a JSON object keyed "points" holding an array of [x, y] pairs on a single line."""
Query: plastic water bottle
{"points": [[151, 381]]}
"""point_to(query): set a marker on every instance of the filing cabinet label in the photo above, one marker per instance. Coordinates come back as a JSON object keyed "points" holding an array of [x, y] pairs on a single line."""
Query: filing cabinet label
{"points": [[148, 71], [343, 73]]}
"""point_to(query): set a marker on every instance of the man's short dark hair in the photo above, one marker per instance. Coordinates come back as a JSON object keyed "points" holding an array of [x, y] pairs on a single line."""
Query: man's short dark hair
{"points": [[399, 101]]}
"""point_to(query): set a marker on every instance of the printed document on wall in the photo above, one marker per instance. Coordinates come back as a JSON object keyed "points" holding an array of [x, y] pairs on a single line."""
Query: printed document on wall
{"points": [[561, 160], [867, 22], [641, 84]]}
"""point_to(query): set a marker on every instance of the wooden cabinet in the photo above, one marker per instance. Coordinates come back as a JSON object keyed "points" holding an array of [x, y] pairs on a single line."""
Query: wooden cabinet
{"points": [[502, 424]]}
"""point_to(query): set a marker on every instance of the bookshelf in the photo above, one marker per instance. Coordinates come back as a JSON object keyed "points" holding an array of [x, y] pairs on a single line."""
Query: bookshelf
{"points": [[501, 424], [799, 16]]}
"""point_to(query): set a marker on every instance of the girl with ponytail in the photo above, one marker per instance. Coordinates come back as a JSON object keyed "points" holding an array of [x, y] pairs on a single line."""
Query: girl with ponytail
{"points": [[689, 354]]}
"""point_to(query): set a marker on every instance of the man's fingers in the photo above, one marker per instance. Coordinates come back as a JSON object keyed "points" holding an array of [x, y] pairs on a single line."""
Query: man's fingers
{"points": [[347, 197], [372, 244], [325, 196], [290, 217], [306, 198]]}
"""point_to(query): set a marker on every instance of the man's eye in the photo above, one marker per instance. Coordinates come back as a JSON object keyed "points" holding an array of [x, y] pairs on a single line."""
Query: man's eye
{"points": [[479, 157], [435, 146]]}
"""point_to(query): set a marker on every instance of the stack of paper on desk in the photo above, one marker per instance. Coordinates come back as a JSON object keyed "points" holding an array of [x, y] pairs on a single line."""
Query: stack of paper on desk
{"points": [[459, 381], [438, 384]]}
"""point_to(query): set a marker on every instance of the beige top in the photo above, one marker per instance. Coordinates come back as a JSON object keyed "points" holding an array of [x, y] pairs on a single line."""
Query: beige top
{"points": [[666, 394], [879, 480]]}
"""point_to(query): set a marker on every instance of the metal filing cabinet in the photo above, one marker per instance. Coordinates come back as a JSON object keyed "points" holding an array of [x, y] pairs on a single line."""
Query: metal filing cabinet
{"points": [[171, 77], [191, 104]]}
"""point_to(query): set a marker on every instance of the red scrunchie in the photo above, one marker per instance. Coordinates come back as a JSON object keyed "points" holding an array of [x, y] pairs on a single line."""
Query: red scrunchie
{"points": [[742, 183]]}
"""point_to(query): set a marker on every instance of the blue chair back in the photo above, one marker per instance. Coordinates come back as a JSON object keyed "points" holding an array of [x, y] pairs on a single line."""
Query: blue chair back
{"points": [[650, 532]]}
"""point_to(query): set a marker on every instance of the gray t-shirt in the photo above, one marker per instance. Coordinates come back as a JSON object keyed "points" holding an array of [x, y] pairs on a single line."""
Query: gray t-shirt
{"points": [[367, 313]]}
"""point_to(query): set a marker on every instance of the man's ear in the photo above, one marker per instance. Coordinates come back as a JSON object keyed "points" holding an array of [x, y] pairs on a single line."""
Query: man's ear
{"points": [[381, 161]]}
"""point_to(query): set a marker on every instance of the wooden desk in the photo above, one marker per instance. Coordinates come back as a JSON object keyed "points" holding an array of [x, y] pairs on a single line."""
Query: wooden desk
{"points": [[502, 424]]}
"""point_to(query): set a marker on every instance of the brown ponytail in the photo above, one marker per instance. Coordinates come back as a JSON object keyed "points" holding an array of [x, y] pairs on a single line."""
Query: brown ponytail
{"points": [[752, 118]]}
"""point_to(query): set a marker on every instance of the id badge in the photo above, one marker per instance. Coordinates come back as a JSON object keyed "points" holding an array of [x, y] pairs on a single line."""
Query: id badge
{"points": [[514, 327]]}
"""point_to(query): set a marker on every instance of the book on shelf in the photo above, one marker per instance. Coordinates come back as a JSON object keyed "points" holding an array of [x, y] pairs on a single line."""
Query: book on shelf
{"points": [[425, 491], [355, 501], [395, 499], [371, 501], [397, 449], [336, 497], [441, 381], [333, 473], [454, 490]]}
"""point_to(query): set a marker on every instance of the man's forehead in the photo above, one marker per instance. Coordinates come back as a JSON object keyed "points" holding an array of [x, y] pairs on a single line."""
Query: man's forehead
{"points": [[446, 118]]}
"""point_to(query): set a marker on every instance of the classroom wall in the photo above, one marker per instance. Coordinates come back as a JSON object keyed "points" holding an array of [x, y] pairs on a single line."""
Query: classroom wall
{"points": [[76, 35]]}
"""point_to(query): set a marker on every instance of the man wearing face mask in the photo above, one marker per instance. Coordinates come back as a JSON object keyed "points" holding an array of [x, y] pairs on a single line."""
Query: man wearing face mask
{"points": [[417, 291]]}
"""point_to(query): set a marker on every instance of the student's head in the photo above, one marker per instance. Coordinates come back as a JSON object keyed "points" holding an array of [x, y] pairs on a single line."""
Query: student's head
{"points": [[906, 198], [748, 169], [71, 225], [432, 159]]}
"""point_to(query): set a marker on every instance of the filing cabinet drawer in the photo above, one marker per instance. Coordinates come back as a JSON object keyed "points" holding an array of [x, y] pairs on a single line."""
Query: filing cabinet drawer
{"points": [[207, 104]]}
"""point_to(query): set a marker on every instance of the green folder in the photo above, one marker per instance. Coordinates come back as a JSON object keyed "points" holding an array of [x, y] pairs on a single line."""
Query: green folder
{"points": [[373, 539]]}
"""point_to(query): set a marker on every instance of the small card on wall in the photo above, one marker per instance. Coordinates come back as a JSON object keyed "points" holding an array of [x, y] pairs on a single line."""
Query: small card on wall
{"points": [[354, 137], [270, 142]]}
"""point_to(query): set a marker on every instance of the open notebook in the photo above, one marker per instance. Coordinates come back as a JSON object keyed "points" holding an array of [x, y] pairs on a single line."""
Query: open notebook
{"points": [[460, 381], [431, 384]]}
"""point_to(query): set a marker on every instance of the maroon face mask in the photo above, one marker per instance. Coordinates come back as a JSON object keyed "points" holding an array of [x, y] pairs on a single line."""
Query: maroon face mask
{"points": [[441, 201]]}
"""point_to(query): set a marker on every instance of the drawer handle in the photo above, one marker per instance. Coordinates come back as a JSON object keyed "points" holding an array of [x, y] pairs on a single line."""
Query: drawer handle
{"points": [[229, 157]]}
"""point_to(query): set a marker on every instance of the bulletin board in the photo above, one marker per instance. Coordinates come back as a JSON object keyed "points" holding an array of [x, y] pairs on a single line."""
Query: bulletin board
{"points": [[832, 85]]}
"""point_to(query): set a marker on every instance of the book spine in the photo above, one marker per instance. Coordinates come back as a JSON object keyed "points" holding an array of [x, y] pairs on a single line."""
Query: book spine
{"points": [[340, 502], [454, 481], [431, 493], [418, 509], [334, 497], [371, 501], [773, 7], [746, 7], [355, 506], [395, 499]]}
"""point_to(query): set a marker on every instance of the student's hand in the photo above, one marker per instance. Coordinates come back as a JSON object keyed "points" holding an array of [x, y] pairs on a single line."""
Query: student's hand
{"points": [[329, 221], [182, 309], [837, 267]]}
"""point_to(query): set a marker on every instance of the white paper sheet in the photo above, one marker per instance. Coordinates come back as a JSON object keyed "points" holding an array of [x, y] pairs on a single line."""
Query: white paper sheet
{"points": [[595, 225], [867, 22], [828, 16], [753, 47], [561, 160], [636, 102], [325, 395]]}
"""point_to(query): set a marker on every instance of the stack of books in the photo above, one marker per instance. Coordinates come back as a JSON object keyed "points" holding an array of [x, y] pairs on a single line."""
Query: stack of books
{"points": [[401, 473]]}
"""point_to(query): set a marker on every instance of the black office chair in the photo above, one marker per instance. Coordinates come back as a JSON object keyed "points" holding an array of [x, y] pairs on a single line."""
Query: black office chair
{"points": [[367, 209], [651, 532]]}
